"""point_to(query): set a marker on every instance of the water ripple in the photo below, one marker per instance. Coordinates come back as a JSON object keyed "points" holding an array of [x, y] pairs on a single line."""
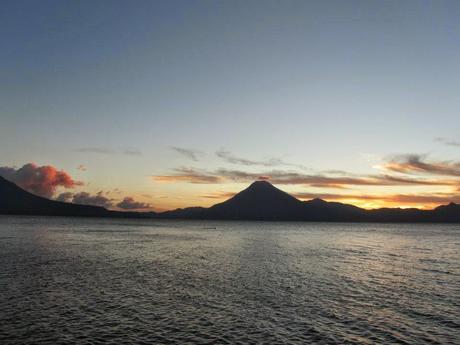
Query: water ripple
{"points": [[67, 280]]}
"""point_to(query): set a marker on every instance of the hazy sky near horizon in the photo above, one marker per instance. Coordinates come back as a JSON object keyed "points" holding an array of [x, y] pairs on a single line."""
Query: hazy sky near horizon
{"points": [[181, 103]]}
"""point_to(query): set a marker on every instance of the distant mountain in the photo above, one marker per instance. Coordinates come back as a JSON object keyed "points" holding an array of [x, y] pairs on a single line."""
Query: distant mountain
{"points": [[260, 201], [450, 212], [183, 213], [14, 200], [320, 210], [263, 201]]}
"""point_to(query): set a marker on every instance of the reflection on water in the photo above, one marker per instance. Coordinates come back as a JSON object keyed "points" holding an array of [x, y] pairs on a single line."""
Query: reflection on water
{"points": [[130, 281]]}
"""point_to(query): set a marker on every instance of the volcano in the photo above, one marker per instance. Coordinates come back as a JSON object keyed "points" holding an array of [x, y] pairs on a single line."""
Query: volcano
{"points": [[260, 201]]}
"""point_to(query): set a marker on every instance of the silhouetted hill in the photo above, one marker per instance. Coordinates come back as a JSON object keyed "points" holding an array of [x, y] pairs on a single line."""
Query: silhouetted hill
{"points": [[450, 212], [14, 200], [263, 201], [183, 213], [260, 201], [320, 210], [398, 215]]}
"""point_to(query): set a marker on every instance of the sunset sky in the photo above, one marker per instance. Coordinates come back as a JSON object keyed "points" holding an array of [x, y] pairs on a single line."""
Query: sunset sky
{"points": [[165, 104]]}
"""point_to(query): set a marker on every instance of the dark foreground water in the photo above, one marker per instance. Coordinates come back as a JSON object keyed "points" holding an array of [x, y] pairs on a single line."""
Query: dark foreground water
{"points": [[89, 281]]}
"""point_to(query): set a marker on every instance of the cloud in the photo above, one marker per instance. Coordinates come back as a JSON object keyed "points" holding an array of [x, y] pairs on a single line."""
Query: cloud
{"points": [[219, 195], [399, 181], [192, 175], [447, 141], [98, 150], [84, 198], [128, 203], [189, 175], [325, 181], [132, 152], [229, 157], [328, 185], [188, 153], [98, 199], [65, 197], [40, 180], [417, 164]]}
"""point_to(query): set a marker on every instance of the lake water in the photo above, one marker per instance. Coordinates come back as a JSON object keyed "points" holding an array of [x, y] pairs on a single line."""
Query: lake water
{"points": [[90, 281]]}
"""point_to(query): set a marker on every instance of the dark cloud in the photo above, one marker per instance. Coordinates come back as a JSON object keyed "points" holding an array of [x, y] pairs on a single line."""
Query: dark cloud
{"points": [[65, 197], [229, 157], [289, 177], [414, 163], [188, 153], [399, 181], [98, 199], [189, 175], [40, 180], [324, 181], [447, 141], [128, 203], [264, 178], [99, 150], [132, 152]]}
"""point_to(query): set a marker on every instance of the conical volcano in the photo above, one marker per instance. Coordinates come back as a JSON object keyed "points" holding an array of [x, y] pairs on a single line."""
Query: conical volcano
{"points": [[260, 201], [263, 193]]}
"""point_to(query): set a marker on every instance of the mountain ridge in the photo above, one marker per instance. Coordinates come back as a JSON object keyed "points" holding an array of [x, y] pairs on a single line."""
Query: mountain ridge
{"points": [[16, 201], [259, 201]]}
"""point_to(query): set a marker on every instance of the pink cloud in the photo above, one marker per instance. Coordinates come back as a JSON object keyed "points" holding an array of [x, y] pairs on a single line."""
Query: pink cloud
{"points": [[40, 180]]}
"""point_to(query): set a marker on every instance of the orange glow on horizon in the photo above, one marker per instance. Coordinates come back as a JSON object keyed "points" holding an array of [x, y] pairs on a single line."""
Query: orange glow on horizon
{"points": [[384, 201]]}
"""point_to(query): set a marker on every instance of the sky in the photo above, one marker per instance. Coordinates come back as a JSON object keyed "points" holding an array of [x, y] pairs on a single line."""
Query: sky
{"points": [[166, 104]]}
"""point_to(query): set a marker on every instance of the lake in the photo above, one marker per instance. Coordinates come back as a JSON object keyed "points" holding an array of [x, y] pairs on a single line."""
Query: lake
{"points": [[91, 281]]}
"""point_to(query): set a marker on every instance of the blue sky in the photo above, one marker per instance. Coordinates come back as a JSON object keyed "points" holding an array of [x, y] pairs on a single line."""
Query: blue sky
{"points": [[320, 85]]}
